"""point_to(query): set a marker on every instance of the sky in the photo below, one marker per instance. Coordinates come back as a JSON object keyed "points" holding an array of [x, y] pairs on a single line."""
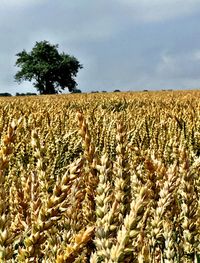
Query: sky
{"points": [[122, 44]]}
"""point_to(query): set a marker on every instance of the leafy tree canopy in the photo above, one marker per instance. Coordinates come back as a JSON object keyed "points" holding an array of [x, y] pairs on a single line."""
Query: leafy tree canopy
{"points": [[5, 94], [51, 71]]}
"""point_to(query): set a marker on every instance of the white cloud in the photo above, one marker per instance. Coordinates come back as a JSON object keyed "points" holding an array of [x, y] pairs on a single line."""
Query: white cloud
{"points": [[160, 10], [179, 66], [167, 64], [196, 55]]}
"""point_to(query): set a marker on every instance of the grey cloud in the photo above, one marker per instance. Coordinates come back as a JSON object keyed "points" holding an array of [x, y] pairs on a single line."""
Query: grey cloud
{"points": [[156, 10], [119, 43]]}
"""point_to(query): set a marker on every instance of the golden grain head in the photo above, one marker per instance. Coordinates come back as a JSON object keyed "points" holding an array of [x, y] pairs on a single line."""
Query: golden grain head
{"points": [[116, 181]]}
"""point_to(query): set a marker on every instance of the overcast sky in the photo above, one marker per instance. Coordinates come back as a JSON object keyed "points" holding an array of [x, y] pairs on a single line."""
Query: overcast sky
{"points": [[122, 44]]}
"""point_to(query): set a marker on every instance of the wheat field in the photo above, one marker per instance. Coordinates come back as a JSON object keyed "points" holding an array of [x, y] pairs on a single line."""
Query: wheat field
{"points": [[111, 177]]}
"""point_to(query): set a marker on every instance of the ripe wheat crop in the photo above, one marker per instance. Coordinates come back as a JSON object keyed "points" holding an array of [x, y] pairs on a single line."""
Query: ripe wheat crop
{"points": [[100, 178]]}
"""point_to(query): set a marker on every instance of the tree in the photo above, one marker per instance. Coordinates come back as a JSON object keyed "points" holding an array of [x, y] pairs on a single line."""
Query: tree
{"points": [[77, 91], [51, 71], [25, 94], [5, 94]]}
